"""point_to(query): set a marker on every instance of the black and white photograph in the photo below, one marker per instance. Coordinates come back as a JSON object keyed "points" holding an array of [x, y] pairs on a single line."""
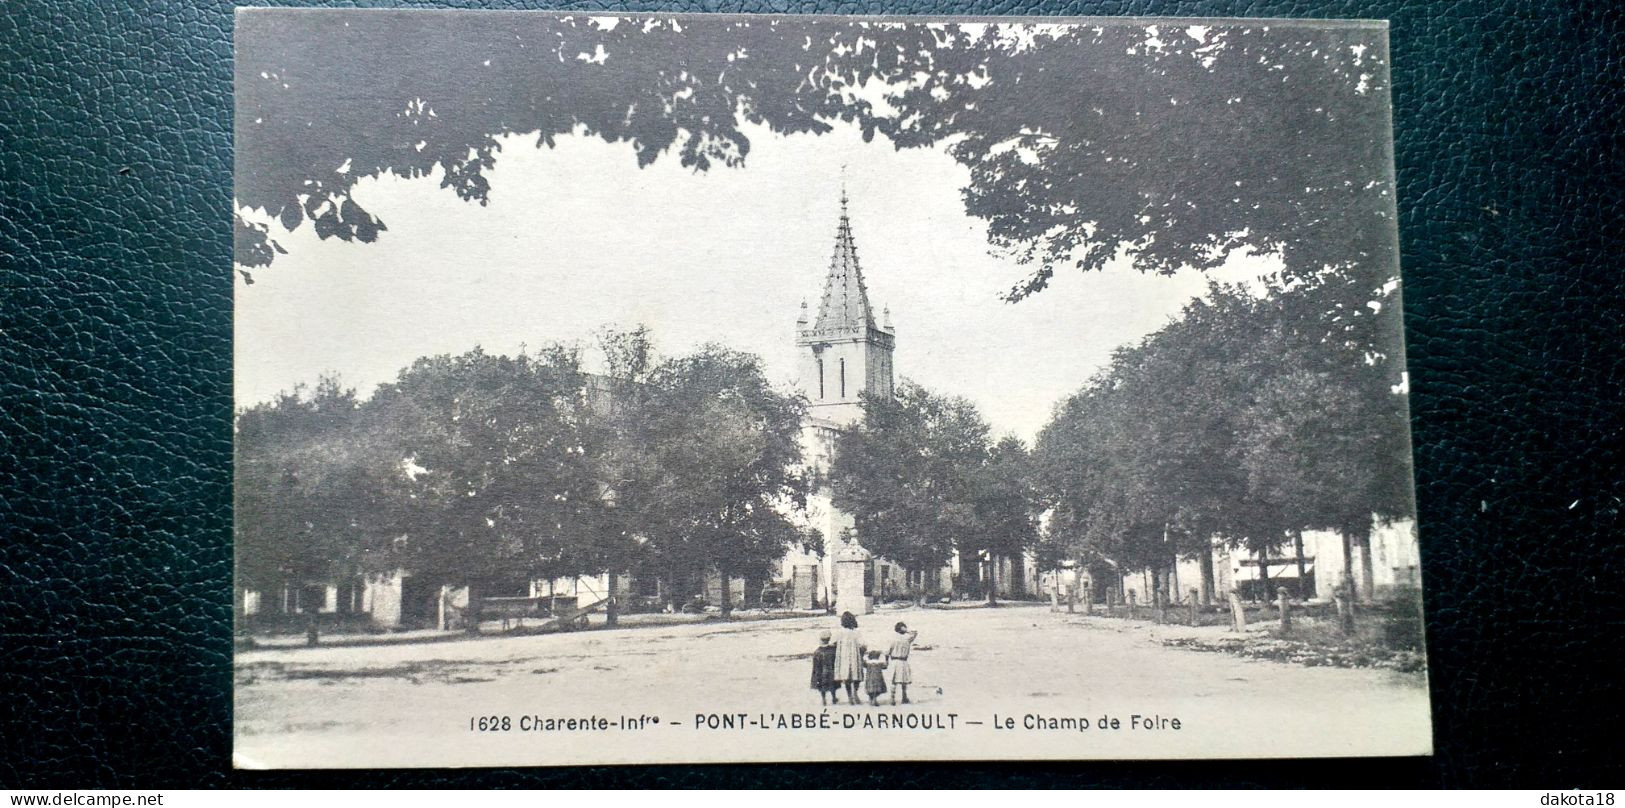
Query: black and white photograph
{"points": [[685, 388]]}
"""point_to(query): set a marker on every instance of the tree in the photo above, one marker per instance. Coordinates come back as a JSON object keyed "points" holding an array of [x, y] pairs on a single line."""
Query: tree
{"points": [[1331, 446], [650, 83], [908, 476], [724, 454], [309, 488], [1178, 145], [1006, 518], [1132, 463], [497, 484], [1182, 146], [619, 411]]}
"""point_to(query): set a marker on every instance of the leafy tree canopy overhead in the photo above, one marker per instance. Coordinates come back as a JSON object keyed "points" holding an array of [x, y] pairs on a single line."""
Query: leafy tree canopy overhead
{"points": [[1171, 146]]}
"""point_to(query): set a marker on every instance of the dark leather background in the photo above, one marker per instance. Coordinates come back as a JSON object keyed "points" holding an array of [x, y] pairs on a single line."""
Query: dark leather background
{"points": [[115, 367]]}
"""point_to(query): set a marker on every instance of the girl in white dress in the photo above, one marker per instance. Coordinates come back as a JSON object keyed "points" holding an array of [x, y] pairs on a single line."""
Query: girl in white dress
{"points": [[849, 652]]}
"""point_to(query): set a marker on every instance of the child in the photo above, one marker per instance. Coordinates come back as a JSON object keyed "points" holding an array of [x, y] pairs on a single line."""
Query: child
{"points": [[849, 654], [823, 670], [874, 677], [901, 675]]}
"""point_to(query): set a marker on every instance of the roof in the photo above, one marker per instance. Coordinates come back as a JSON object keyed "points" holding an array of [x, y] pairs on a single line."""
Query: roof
{"points": [[845, 305]]}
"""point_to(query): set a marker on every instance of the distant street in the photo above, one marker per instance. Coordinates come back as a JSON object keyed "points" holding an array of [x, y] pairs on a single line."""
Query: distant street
{"points": [[414, 705]]}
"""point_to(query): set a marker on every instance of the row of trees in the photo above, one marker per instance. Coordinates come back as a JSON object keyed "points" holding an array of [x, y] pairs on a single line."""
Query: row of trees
{"points": [[479, 468], [1253, 416], [1247, 420]]}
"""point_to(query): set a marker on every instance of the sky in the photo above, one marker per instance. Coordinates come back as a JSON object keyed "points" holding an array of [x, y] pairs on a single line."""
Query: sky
{"points": [[577, 237]]}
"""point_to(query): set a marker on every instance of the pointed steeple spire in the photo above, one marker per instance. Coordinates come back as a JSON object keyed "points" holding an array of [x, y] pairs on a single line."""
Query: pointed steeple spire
{"points": [[845, 305]]}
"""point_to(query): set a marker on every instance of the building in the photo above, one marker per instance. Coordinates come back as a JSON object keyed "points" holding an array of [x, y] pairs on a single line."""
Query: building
{"points": [[1392, 564]]}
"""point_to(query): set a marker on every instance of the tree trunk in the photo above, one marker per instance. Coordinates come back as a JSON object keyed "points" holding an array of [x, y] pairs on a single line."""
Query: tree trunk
{"points": [[1264, 575], [1159, 579], [1348, 576], [1368, 576], [726, 589], [1209, 582], [1165, 595], [612, 609], [676, 589], [1303, 566], [990, 582], [471, 612]]}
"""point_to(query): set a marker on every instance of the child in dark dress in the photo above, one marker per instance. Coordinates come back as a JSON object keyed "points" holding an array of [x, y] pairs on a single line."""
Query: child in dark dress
{"points": [[874, 677], [823, 670]]}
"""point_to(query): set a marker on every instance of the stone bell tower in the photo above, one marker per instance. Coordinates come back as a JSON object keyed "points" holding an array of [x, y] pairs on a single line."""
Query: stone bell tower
{"points": [[844, 355]]}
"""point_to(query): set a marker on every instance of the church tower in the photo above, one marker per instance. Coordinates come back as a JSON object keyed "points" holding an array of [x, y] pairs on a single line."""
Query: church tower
{"points": [[843, 353]]}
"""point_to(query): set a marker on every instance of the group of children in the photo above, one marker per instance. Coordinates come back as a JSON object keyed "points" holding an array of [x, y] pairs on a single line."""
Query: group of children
{"points": [[844, 662]]}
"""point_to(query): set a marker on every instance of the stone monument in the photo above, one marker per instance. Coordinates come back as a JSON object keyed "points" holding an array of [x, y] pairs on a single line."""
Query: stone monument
{"points": [[851, 567]]}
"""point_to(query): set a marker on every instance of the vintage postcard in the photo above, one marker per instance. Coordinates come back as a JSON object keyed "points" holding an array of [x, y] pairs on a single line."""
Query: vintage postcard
{"points": [[660, 388]]}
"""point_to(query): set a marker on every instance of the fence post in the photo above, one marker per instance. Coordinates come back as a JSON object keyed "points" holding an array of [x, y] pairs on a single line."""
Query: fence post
{"points": [[1238, 615], [1286, 616], [1192, 605], [1131, 597], [1088, 600]]}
